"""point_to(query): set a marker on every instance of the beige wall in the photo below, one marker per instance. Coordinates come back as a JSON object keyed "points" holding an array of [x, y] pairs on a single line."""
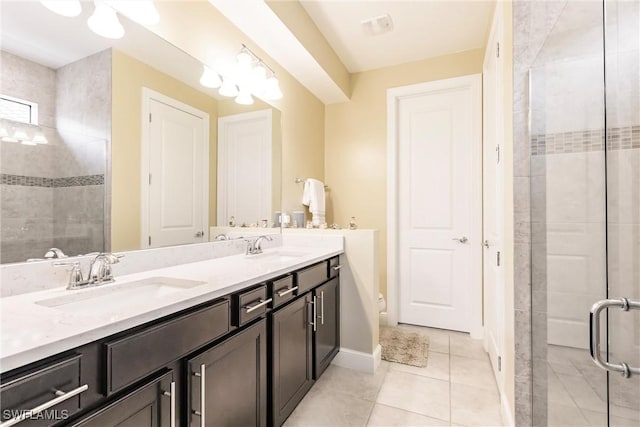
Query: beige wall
{"points": [[356, 141], [200, 30], [128, 77]]}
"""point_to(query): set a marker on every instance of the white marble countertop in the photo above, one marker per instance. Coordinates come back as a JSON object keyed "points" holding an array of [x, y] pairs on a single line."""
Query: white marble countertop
{"points": [[31, 331]]}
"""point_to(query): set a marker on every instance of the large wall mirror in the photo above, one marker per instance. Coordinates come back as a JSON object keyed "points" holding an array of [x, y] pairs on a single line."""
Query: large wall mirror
{"points": [[112, 145]]}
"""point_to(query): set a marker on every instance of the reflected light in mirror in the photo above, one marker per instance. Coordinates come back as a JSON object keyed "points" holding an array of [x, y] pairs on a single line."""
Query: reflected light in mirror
{"points": [[210, 78], [105, 23], [228, 87], [244, 97], [144, 12], [68, 8]]}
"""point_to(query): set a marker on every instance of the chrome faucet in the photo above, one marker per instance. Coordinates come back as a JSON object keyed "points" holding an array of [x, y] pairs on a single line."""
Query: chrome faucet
{"points": [[99, 272], [254, 246]]}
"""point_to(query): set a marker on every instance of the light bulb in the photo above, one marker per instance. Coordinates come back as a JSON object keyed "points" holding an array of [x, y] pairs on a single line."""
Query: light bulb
{"points": [[68, 8], [244, 97], [40, 139], [27, 142], [210, 78], [228, 88], [105, 23], [272, 89], [144, 12], [258, 78], [244, 57], [9, 139], [3, 132]]}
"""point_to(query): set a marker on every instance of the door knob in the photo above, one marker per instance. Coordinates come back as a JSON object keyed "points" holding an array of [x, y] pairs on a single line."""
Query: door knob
{"points": [[200, 234], [462, 239], [486, 244]]}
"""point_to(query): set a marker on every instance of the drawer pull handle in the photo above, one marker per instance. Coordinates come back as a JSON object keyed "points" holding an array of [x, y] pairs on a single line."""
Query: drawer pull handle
{"points": [[203, 390], [261, 303], [337, 267], [172, 412], [61, 397], [282, 292]]}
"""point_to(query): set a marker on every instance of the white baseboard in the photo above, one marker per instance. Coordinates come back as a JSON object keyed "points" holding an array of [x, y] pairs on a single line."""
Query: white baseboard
{"points": [[507, 416], [359, 361]]}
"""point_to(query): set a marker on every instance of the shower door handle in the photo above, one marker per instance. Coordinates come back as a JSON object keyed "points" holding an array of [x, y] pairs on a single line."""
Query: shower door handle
{"points": [[594, 341]]}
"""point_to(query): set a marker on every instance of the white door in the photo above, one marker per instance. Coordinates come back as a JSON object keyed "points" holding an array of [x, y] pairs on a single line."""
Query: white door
{"points": [[437, 136], [493, 199], [244, 168], [178, 187]]}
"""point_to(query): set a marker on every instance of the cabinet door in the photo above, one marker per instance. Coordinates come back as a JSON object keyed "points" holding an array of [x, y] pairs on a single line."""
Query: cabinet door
{"points": [[151, 405], [228, 383], [327, 335], [292, 355]]}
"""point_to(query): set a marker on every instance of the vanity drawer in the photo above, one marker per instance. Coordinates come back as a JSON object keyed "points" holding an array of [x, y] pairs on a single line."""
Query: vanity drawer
{"points": [[55, 382], [249, 305], [282, 290], [311, 277], [137, 355], [334, 267]]}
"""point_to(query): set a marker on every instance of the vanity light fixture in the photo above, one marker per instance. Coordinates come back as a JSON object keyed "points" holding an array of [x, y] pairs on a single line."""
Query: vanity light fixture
{"points": [[228, 87], [68, 8], [144, 12], [210, 78], [244, 97], [104, 22]]}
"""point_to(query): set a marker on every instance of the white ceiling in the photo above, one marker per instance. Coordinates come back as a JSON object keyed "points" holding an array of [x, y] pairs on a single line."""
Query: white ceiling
{"points": [[33, 32], [421, 29]]}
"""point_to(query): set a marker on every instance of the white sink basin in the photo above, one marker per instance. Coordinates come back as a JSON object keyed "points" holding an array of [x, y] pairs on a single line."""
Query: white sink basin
{"points": [[279, 256], [114, 297]]}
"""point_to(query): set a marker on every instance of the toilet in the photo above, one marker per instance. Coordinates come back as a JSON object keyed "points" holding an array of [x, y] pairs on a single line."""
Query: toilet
{"points": [[382, 304]]}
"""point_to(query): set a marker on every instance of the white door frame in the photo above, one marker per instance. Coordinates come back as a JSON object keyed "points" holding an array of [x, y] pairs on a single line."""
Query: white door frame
{"points": [[394, 95], [145, 143], [222, 154]]}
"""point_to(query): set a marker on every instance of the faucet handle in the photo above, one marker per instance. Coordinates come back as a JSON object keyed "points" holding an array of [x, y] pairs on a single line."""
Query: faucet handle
{"points": [[76, 279]]}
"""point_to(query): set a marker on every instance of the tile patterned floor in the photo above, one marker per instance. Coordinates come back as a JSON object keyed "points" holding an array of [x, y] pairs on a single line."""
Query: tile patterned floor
{"points": [[577, 392], [456, 388]]}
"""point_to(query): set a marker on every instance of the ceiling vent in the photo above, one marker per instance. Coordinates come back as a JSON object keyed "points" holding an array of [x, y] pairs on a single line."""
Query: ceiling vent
{"points": [[378, 25]]}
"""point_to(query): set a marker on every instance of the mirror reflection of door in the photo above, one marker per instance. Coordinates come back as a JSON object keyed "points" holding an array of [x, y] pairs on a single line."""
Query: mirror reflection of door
{"points": [[176, 150], [244, 168]]}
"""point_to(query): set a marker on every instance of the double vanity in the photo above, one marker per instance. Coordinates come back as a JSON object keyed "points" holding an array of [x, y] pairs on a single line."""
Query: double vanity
{"points": [[236, 340]]}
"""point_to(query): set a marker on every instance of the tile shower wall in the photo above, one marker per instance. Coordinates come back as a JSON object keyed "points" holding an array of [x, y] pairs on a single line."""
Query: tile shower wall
{"points": [[533, 21], [53, 195], [83, 118]]}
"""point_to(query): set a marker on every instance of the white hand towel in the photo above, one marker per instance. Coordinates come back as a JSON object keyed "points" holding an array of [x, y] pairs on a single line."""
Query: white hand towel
{"points": [[313, 196]]}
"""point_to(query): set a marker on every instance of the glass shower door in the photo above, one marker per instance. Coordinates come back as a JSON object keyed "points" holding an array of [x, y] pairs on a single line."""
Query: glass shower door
{"points": [[622, 78]]}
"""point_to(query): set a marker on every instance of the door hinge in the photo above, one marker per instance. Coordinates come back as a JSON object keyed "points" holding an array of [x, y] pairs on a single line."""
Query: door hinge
{"points": [[497, 154], [499, 363], [498, 50], [149, 117], [498, 258], [149, 179], [149, 240]]}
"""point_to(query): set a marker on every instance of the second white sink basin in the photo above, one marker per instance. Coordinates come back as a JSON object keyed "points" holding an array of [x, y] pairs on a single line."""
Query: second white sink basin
{"points": [[114, 297]]}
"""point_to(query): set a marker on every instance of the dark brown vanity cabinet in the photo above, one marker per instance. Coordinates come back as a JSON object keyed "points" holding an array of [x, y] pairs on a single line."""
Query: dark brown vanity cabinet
{"points": [[47, 394], [150, 405], [228, 383], [291, 357], [326, 343]]}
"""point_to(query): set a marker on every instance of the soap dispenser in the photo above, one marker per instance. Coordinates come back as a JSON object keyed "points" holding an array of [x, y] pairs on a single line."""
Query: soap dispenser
{"points": [[352, 223]]}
